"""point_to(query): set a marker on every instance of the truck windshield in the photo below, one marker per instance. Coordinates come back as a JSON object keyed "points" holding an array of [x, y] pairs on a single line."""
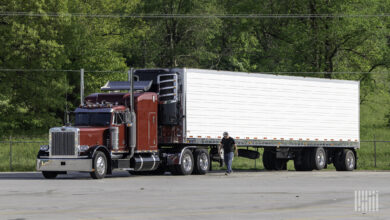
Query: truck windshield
{"points": [[93, 119]]}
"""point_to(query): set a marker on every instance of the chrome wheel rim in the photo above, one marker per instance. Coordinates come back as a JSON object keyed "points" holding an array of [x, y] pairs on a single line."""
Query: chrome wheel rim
{"points": [[321, 159], [100, 165], [187, 162], [204, 161], [350, 161], [221, 153]]}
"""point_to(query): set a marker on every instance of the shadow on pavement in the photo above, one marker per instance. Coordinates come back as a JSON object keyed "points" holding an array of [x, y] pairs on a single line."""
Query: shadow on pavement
{"points": [[71, 175], [78, 175]]}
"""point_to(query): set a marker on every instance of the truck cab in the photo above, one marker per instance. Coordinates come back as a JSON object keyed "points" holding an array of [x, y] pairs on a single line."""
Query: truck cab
{"points": [[108, 130]]}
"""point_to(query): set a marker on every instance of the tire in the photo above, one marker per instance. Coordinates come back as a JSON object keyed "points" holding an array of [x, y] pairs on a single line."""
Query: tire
{"points": [[268, 160], [186, 165], [99, 165], [303, 161], [319, 158], [202, 162], [299, 164], [345, 160], [49, 174], [280, 164], [172, 170]]}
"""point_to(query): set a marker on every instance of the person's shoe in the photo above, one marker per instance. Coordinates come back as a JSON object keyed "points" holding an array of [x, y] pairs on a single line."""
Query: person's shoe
{"points": [[226, 174]]}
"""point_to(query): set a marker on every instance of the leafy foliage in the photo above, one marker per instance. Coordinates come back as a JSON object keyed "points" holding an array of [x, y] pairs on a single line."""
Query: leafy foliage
{"points": [[34, 101]]}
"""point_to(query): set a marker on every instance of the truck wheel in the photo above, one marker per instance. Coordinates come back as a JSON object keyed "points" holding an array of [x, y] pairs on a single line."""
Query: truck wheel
{"points": [[345, 160], [302, 161], [186, 166], [298, 165], [319, 158], [268, 160], [280, 164], [202, 162], [99, 165], [49, 174]]}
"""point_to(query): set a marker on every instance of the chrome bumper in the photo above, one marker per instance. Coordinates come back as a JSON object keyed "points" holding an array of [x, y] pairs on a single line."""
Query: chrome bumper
{"points": [[58, 164]]}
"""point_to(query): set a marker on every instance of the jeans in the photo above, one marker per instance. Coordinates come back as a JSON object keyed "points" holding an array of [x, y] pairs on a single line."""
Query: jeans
{"points": [[228, 157]]}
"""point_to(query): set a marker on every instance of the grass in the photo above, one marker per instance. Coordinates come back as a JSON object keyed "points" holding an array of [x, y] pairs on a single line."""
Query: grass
{"points": [[24, 155]]}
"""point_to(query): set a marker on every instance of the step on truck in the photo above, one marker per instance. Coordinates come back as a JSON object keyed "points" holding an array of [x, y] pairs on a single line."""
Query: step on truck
{"points": [[173, 119]]}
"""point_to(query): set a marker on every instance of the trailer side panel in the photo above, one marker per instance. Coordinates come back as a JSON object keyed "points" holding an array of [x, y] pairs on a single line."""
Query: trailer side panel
{"points": [[268, 107]]}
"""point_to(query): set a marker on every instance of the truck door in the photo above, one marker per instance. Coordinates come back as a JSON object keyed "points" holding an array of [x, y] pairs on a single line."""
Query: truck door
{"points": [[119, 121]]}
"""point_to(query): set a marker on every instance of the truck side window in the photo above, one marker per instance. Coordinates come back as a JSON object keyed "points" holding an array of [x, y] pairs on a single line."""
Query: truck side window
{"points": [[119, 118]]}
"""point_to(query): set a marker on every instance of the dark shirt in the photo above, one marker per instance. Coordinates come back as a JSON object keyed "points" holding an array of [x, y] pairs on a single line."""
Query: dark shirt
{"points": [[227, 144]]}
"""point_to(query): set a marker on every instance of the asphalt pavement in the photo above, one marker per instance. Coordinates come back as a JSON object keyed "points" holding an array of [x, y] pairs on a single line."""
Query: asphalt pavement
{"points": [[243, 195]]}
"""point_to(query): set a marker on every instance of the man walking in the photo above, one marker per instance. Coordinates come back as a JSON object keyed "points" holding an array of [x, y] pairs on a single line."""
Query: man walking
{"points": [[228, 144]]}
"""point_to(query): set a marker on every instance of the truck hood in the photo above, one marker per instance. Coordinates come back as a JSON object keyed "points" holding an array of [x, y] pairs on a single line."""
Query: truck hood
{"points": [[93, 136]]}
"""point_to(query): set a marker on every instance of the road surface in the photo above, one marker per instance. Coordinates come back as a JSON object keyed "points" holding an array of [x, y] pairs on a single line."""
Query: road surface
{"points": [[242, 195]]}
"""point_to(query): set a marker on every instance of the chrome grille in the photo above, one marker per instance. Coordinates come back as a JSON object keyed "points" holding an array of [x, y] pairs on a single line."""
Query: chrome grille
{"points": [[62, 143]]}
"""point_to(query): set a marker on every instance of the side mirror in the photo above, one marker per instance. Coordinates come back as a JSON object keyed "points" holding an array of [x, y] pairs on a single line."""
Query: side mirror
{"points": [[127, 117]]}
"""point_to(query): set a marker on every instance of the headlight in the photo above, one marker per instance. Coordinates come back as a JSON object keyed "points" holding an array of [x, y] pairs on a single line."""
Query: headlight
{"points": [[44, 147], [83, 148]]}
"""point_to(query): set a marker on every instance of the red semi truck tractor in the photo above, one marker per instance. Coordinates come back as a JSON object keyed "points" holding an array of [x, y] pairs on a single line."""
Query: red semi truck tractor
{"points": [[173, 119]]}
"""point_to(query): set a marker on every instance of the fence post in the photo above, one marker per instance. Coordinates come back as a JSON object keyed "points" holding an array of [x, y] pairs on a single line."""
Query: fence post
{"points": [[374, 152], [10, 153]]}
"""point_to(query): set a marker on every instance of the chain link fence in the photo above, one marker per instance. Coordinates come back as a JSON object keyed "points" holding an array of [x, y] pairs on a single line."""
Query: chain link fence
{"points": [[19, 155]]}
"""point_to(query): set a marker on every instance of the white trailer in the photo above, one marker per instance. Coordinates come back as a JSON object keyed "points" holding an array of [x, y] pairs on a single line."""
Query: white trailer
{"points": [[313, 121]]}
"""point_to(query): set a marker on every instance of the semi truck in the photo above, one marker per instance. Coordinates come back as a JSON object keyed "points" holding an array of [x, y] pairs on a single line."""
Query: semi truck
{"points": [[172, 120]]}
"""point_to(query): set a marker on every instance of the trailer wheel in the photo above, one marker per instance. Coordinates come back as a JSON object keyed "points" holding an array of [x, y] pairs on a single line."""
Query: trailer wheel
{"points": [[319, 158], [270, 161], [280, 164], [267, 160], [298, 165], [186, 165], [49, 174], [202, 162], [345, 160], [303, 160], [99, 165]]}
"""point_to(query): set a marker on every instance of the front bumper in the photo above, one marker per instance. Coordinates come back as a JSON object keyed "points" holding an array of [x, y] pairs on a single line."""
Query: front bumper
{"points": [[64, 164]]}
